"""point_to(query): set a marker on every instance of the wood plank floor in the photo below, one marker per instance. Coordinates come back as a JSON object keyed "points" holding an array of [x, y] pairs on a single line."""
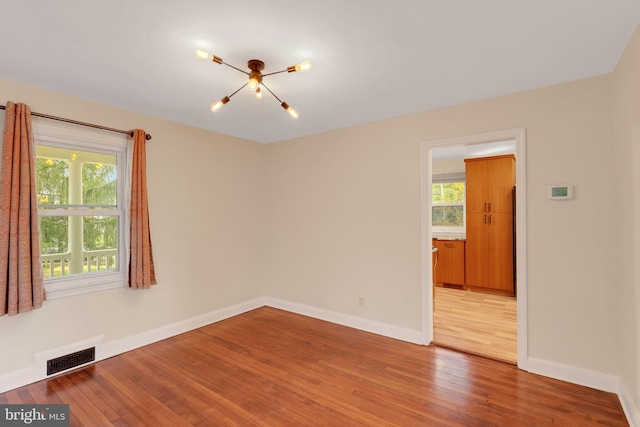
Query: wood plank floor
{"points": [[273, 368], [477, 323]]}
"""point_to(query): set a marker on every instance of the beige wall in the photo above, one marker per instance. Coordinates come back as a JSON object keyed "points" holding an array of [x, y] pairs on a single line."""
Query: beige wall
{"points": [[343, 217], [206, 212], [627, 115]]}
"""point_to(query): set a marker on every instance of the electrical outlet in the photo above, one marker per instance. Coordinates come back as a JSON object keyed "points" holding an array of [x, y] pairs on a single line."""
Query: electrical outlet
{"points": [[361, 301]]}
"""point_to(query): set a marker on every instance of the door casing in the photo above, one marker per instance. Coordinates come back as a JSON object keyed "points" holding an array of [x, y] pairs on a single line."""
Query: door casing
{"points": [[426, 147]]}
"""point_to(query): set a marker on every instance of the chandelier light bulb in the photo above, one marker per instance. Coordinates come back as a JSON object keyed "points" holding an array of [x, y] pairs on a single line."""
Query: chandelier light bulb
{"points": [[218, 105], [306, 65], [255, 78], [253, 84], [293, 113], [258, 93], [303, 66], [203, 54]]}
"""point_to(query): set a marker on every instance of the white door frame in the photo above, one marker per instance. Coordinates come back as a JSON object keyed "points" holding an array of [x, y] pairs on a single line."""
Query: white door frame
{"points": [[426, 148]]}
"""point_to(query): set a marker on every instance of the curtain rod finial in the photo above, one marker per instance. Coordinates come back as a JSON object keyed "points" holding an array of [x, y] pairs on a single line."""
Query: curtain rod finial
{"points": [[147, 136]]}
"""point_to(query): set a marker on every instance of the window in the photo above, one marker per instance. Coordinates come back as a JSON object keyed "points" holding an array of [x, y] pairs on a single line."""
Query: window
{"points": [[448, 209], [80, 183]]}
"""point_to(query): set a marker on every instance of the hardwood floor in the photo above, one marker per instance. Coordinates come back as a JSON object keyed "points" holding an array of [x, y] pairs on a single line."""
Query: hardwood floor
{"points": [[477, 323], [273, 368]]}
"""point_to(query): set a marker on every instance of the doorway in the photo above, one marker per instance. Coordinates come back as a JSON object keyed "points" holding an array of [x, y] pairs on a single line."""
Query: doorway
{"points": [[486, 144]]}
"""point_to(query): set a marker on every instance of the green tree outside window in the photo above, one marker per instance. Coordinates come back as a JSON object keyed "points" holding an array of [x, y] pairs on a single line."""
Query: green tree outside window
{"points": [[447, 204]]}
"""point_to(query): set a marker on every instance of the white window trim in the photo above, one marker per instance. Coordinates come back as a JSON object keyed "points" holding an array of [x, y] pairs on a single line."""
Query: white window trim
{"points": [[65, 135]]}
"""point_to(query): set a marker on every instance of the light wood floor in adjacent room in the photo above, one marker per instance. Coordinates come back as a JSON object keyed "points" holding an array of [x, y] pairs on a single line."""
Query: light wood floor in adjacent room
{"points": [[269, 367], [477, 323]]}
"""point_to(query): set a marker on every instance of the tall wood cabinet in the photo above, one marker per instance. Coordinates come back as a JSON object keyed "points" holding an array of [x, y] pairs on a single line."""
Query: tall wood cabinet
{"points": [[489, 203]]}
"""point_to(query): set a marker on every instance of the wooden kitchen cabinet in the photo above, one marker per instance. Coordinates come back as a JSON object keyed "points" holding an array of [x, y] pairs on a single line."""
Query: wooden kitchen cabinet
{"points": [[489, 182], [489, 250], [450, 267]]}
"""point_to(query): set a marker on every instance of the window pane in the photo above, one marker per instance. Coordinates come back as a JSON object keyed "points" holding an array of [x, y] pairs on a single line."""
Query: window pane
{"points": [[448, 192], [75, 177], [97, 244], [100, 232], [52, 183], [54, 232], [99, 184], [448, 216]]}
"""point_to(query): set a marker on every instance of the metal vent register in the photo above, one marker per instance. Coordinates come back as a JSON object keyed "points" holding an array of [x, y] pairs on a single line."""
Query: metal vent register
{"points": [[70, 360]]}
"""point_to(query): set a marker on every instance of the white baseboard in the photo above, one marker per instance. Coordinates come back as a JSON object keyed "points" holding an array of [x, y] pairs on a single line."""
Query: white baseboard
{"points": [[592, 379], [580, 376], [37, 371], [631, 410], [379, 328], [19, 378], [113, 348]]}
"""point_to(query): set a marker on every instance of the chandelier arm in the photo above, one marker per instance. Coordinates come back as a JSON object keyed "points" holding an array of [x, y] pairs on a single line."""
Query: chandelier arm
{"points": [[274, 95], [241, 87], [275, 72], [235, 68]]}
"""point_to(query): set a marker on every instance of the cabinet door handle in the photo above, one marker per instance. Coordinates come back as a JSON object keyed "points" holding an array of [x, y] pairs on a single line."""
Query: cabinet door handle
{"points": [[448, 245], [489, 219], [485, 219], [485, 206], [489, 206]]}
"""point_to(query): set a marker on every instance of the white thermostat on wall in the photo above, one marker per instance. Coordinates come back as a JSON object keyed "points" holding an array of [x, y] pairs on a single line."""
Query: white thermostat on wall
{"points": [[560, 191]]}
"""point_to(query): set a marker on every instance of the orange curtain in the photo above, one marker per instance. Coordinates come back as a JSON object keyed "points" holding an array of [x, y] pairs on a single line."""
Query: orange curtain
{"points": [[141, 270], [21, 283]]}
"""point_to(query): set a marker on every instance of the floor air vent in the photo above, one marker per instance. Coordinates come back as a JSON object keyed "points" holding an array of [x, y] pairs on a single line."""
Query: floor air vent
{"points": [[70, 360]]}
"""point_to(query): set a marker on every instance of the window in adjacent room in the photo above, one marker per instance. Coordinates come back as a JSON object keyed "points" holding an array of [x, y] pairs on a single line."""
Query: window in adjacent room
{"points": [[80, 187], [448, 209]]}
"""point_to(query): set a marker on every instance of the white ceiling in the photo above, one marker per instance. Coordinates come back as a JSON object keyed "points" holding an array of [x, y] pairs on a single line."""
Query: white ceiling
{"points": [[372, 59], [459, 152]]}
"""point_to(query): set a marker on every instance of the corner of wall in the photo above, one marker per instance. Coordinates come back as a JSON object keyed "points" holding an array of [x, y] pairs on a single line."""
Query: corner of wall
{"points": [[631, 410], [379, 328]]}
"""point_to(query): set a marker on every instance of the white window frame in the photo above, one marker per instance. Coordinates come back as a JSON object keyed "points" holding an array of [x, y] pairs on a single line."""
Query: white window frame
{"points": [[65, 135], [446, 178]]}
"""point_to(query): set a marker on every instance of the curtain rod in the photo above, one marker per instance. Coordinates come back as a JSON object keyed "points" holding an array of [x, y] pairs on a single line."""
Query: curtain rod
{"points": [[75, 122]]}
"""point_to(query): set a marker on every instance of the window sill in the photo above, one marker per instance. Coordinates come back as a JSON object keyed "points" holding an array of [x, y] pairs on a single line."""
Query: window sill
{"points": [[69, 289]]}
